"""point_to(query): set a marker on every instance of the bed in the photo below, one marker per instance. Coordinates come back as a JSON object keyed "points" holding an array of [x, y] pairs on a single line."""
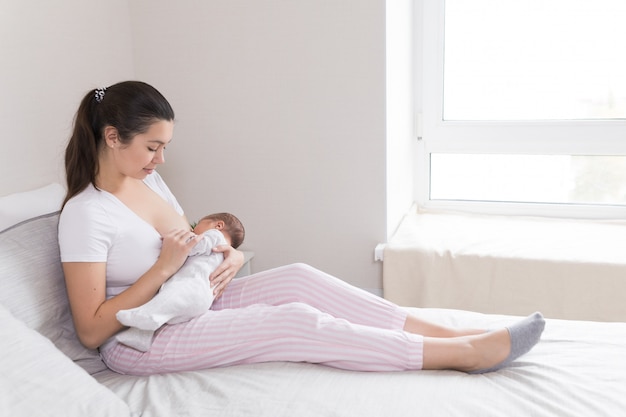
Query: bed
{"points": [[578, 369]]}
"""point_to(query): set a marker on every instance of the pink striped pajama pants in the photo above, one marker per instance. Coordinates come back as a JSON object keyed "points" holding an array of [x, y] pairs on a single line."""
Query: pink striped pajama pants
{"points": [[293, 313]]}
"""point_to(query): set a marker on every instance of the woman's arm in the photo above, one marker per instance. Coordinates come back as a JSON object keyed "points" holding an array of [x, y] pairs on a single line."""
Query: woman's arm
{"points": [[94, 315]]}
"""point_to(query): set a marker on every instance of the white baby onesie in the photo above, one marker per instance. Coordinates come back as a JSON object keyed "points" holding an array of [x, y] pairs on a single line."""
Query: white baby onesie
{"points": [[185, 295]]}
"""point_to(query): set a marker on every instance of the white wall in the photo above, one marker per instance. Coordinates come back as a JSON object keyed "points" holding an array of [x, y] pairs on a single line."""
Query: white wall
{"points": [[51, 53], [280, 111], [281, 120]]}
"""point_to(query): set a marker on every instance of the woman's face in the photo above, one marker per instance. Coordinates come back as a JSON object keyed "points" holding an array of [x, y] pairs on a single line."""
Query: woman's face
{"points": [[145, 151]]}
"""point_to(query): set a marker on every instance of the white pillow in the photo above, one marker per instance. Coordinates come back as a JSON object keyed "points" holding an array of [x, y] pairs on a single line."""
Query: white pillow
{"points": [[37, 379], [18, 207], [32, 286]]}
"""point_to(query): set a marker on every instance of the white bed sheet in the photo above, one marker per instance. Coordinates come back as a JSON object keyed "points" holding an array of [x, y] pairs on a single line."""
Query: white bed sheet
{"points": [[578, 369]]}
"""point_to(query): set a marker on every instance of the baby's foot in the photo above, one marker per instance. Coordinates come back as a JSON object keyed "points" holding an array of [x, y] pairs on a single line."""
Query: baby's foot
{"points": [[524, 335], [138, 339], [135, 318]]}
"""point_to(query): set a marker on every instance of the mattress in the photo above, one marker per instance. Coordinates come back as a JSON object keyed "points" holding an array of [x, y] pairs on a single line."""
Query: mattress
{"points": [[578, 369]]}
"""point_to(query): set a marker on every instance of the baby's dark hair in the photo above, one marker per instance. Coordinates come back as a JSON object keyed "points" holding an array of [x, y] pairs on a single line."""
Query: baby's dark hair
{"points": [[232, 226]]}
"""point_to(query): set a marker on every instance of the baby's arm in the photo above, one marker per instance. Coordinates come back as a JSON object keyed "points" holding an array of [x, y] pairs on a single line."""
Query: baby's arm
{"points": [[185, 295]]}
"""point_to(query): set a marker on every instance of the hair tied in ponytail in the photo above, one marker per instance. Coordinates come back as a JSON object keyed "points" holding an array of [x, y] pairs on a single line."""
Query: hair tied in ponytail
{"points": [[99, 94]]}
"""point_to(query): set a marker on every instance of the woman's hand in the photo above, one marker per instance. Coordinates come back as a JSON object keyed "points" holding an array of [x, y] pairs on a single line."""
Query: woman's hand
{"points": [[223, 274]]}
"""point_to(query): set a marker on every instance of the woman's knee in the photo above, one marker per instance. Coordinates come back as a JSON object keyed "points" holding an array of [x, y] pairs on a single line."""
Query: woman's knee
{"points": [[301, 268], [290, 283], [296, 272], [308, 275]]}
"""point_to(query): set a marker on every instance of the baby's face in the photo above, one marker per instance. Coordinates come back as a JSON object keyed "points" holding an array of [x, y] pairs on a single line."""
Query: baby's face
{"points": [[208, 224]]}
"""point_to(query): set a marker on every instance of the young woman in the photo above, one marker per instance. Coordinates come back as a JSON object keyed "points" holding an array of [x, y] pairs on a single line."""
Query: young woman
{"points": [[123, 234]]}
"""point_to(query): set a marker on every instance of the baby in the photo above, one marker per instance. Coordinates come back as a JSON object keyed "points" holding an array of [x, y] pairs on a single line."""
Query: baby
{"points": [[187, 293]]}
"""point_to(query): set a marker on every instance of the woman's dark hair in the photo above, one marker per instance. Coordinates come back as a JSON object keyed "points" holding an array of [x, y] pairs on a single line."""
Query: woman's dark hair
{"points": [[130, 106]]}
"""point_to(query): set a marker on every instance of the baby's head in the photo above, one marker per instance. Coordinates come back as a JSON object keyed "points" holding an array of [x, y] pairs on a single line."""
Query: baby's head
{"points": [[230, 226]]}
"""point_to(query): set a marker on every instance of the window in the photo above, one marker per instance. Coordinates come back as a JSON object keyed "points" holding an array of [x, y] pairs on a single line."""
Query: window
{"points": [[524, 105], [555, 179], [534, 59]]}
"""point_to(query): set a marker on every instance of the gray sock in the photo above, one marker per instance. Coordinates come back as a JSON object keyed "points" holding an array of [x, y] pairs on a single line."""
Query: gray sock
{"points": [[524, 335]]}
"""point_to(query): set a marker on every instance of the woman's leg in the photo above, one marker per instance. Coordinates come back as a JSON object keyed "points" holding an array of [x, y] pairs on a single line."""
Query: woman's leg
{"points": [[293, 332], [297, 313], [416, 325], [302, 283], [305, 284], [466, 353], [469, 349], [299, 333]]}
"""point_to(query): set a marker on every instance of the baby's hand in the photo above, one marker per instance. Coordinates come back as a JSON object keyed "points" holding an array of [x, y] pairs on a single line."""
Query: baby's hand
{"points": [[175, 248]]}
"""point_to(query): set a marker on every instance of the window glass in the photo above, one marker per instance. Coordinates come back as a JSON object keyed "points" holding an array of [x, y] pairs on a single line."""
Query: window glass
{"points": [[560, 179], [534, 59]]}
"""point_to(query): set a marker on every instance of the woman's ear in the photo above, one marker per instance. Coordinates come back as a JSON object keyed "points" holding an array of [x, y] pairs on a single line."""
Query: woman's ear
{"points": [[111, 136]]}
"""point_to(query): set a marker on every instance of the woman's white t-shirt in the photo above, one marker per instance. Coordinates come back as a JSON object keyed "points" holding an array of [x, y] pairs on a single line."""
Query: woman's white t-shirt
{"points": [[95, 226]]}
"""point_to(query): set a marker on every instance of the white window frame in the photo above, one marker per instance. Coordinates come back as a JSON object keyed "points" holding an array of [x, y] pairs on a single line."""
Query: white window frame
{"points": [[580, 137]]}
